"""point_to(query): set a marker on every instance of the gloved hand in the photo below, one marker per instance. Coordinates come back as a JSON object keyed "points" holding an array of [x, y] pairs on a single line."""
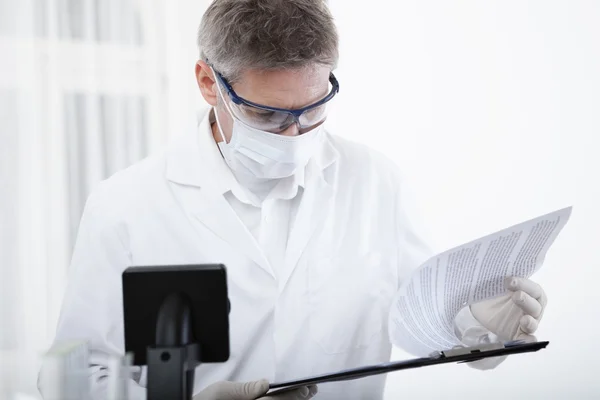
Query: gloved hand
{"points": [[251, 391], [516, 315]]}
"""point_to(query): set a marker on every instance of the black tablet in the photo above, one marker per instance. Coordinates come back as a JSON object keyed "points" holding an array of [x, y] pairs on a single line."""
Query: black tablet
{"points": [[205, 289]]}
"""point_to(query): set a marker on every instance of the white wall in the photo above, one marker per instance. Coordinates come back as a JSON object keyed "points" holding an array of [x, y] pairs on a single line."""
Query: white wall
{"points": [[492, 108], [181, 19]]}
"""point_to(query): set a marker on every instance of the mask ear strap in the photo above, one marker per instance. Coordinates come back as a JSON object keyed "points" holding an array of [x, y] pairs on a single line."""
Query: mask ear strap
{"points": [[224, 102], [219, 125]]}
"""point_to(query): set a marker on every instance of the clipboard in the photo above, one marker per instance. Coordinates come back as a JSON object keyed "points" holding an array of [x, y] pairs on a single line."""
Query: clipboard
{"points": [[457, 355]]}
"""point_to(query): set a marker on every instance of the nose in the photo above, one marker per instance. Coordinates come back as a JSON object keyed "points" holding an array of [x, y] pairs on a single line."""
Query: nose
{"points": [[292, 130]]}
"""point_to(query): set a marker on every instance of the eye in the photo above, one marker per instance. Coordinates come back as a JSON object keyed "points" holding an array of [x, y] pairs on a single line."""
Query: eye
{"points": [[259, 114], [263, 113]]}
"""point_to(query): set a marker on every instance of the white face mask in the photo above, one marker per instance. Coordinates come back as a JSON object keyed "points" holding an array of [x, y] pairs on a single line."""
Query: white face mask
{"points": [[266, 155]]}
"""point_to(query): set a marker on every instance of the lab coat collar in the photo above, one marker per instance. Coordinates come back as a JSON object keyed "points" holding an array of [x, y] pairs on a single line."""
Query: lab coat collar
{"points": [[194, 159]]}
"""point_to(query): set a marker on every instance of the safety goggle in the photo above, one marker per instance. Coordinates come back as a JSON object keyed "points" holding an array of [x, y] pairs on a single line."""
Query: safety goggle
{"points": [[277, 120]]}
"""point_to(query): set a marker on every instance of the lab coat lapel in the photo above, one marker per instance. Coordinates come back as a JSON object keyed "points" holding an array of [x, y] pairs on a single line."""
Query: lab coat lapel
{"points": [[191, 164], [215, 213], [315, 205]]}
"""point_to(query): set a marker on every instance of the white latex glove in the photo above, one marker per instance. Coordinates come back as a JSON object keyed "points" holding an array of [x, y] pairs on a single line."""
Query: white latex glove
{"points": [[251, 391], [516, 315]]}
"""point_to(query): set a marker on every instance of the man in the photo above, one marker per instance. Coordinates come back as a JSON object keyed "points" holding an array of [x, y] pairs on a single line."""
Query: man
{"points": [[315, 231]]}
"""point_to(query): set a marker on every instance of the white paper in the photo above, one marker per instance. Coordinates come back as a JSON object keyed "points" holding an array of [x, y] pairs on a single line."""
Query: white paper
{"points": [[421, 319]]}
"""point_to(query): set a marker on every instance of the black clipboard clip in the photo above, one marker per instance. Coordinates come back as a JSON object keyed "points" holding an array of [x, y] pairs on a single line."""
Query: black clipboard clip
{"points": [[454, 355], [482, 350]]}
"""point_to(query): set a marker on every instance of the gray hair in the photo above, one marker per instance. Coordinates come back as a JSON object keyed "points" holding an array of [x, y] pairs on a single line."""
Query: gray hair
{"points": [[238, 35]]}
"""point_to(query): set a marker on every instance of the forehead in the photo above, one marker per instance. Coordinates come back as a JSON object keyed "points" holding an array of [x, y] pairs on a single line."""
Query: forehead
{"points": [[284, 88]]}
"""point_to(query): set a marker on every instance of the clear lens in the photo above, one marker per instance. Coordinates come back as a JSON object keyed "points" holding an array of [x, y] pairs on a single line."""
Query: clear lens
{"points": [[313, 116], [260, 119], [276, 121]]}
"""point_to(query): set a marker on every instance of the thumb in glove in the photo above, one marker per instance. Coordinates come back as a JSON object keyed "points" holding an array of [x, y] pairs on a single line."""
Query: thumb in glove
{"points": [[234, 391]]}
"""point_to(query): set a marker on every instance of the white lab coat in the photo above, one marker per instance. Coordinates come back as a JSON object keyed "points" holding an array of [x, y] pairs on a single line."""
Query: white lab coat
{"points": [[323, 310]]}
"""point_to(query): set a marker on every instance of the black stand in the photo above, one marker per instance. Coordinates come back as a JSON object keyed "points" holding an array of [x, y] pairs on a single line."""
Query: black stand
{"points": [[175, 355]]}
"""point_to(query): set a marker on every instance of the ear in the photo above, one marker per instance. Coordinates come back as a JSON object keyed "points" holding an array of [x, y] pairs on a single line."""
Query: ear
{"points": [[206, 82]]}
